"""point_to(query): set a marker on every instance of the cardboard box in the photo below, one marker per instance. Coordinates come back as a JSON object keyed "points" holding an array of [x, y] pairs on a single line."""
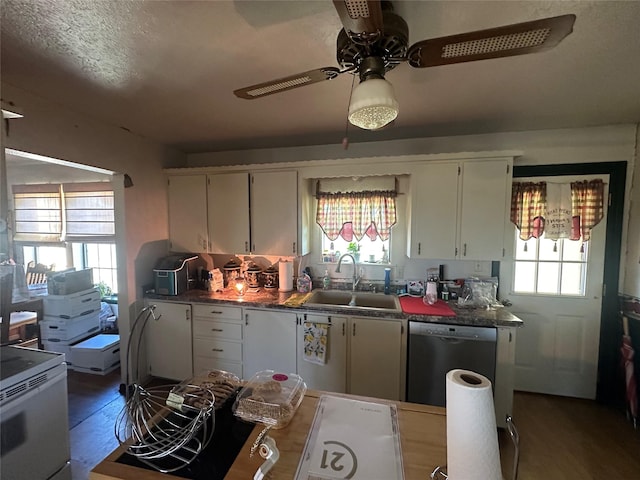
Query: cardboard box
{"points": [[72, 305], [69, 282], [98, 354], [55, 329]]}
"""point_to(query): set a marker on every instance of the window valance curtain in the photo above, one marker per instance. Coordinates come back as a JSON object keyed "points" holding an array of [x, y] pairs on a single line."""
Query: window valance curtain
{"points": [[355, 214], [529, 208]]}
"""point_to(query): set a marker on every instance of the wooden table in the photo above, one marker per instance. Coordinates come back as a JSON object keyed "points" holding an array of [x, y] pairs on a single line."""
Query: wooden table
{"points": [[422, 432]]}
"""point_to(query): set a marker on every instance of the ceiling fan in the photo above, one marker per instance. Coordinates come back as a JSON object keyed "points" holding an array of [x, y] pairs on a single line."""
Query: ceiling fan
{"points": [[375, 40]]}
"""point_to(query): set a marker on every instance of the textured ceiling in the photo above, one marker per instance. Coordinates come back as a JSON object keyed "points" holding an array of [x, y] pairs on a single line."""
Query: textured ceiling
{"points": [[166, 70]]}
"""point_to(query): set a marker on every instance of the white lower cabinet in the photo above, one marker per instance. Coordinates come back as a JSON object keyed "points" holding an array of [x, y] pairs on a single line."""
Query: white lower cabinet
{"points": [[505, 371], [332, 375], [217, 338], [168, 341], [269, 341], [377, 357]]}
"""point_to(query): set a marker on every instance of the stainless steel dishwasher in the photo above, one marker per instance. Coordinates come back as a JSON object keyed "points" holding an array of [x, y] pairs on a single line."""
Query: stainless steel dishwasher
{"points": [[434, 349]]}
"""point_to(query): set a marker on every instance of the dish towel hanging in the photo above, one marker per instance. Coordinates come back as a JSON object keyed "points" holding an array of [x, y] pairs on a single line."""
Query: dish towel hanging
{"points": [[558, 218], [315, 342]]}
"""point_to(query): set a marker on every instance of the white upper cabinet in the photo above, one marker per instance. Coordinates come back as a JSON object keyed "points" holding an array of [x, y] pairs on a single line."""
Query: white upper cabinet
{"points": [[188, 213], [486, 190], [274, 213], [458, 210], [433, 211], [228, 210]]}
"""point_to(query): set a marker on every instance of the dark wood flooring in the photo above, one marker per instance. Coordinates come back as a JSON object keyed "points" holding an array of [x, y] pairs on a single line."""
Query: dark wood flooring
{"points": [[560, 438]]}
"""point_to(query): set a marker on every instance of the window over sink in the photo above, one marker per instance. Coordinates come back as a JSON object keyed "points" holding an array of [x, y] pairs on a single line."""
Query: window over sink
{"points": [[356, 215]]}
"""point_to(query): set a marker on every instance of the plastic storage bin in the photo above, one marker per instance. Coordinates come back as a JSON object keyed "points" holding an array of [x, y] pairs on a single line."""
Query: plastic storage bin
{"points": [[99, 354], [270, 398], [73, 305]]}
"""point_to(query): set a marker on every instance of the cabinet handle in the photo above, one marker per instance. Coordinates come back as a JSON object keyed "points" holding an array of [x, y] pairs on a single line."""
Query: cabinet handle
{"points": [[464, 252], [294, 247], [354, 329], [246, 319], [343, 329], [419, 247], [217, 330], [217, 350], [254, 247], [216, 312], [246, 246]]}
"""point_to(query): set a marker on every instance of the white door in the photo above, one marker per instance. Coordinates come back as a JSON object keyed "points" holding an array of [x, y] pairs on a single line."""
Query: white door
{"points": [[376, 358], [332, 375], [557, 348], [485, 187], [274, 213], [269, 341], [188, 213], [228, 208], [168, 340]]}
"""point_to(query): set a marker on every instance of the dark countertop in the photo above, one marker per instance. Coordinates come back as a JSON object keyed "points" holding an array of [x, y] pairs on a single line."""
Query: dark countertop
{"points": [[272, 298]]}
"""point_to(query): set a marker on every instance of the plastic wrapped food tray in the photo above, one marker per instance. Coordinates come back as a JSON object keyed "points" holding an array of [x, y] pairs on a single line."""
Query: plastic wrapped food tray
{"points": [[222, 384], [270, 398]]}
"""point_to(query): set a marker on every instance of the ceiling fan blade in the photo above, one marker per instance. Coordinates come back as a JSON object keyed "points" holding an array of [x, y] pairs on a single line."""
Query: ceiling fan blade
{"points": [[362, 19], [516, 39], [287, 83]]}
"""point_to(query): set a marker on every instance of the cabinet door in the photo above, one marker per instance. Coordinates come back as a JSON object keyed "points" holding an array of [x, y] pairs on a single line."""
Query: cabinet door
{"points": [[433, 211], [274, 213], [376, 358], [505, 373], [269, 341], [483, 217], [332, 375], [168, 341], [228, 208], [188, 213]]}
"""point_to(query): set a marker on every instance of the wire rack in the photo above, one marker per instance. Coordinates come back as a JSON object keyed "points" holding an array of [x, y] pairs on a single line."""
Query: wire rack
{"points": [[173, 422]]}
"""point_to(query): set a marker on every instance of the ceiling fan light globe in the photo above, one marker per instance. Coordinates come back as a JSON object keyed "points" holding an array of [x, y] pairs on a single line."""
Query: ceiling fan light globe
{"points": [[373, 104]]}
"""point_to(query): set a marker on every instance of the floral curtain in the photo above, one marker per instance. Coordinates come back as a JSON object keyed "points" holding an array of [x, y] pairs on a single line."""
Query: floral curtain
{"points": [[529, 205], [355, 214]]}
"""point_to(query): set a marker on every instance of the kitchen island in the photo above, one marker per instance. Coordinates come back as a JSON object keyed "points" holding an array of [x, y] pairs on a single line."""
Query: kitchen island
{"points": [[422, 436]]}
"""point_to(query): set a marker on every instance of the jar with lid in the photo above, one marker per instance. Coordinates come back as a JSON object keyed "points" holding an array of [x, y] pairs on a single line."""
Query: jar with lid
{"points": [[270, 277], [231, 270], [253, 275]]}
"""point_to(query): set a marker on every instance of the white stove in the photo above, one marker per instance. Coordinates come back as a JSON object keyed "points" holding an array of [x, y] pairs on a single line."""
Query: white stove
{"points": [[33, 415]]}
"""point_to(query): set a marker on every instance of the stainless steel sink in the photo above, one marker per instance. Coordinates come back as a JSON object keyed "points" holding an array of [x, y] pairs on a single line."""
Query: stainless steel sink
{"points": [[354, 300]]}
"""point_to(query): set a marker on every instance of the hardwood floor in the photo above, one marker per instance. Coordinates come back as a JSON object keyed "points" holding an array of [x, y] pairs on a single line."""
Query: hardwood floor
{"points": [[560, 438]]}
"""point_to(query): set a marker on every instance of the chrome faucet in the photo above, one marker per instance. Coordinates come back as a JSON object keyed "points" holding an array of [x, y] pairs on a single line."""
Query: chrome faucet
{"points": [[356, 278]]}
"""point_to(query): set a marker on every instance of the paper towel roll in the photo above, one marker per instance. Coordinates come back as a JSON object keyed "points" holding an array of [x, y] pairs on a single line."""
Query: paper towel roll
{"points": [[472, 437], [285, 274]]}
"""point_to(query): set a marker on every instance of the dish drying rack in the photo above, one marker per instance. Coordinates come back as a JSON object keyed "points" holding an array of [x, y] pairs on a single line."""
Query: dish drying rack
{"points": [[173, 422]]}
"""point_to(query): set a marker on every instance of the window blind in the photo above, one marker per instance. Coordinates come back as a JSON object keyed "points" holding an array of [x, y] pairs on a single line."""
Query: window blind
{"points": [[80, 212]]}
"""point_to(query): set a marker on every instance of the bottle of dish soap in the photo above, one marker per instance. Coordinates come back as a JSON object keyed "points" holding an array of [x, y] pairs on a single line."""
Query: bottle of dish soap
{"points": [[326, 280]]}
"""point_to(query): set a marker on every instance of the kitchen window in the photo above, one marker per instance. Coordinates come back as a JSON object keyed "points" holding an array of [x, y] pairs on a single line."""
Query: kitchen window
{"points": [[554, 222], [356, 216], [550, 267], [68, 226]]}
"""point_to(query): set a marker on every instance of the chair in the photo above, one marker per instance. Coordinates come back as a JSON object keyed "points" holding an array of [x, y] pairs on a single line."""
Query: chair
{"points": [[37, 273]]}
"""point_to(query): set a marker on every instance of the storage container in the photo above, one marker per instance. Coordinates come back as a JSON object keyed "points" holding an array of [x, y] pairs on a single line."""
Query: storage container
{"points": [[270, 398], [55, 329], [72, 305], [69, 282], [98, 354]]}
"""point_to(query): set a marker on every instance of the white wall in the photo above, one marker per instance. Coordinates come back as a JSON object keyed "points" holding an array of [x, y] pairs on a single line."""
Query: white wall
{"points": [[141, 224]]}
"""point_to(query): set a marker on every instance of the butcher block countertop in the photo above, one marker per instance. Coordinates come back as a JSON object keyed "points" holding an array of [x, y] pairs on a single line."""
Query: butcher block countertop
{"points": [[422, 435], [292, 301]]}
